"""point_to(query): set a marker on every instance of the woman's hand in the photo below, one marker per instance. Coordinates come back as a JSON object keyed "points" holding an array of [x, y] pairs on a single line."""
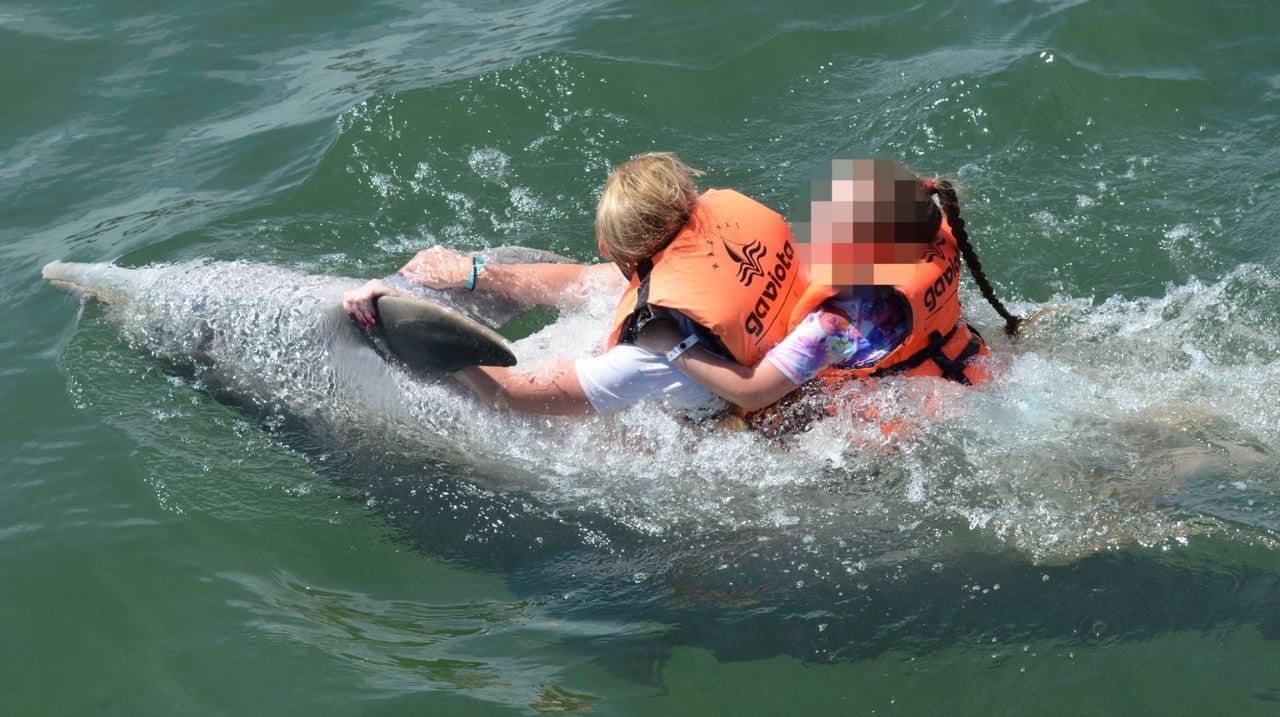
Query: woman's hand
{"points": [[360, 303], [438, 268]]}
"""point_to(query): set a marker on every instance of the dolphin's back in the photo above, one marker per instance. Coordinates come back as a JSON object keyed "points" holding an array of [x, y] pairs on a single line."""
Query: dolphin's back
{"points": [[268, 337]]}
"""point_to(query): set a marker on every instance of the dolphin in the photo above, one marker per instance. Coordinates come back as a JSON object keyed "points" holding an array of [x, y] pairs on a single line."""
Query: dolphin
{"points": [[767, 551], [276, 344]]}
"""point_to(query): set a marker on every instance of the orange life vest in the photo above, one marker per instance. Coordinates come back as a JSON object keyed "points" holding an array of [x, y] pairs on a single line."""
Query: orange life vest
{"points": [[939, 343], [733, 270]]}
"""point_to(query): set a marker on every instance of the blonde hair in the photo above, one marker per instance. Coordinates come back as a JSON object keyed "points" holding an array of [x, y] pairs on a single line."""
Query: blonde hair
{"points": [[644, 204]]}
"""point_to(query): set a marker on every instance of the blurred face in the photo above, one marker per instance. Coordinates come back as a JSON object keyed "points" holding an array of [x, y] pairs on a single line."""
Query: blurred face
{"points": [[867, 214]]}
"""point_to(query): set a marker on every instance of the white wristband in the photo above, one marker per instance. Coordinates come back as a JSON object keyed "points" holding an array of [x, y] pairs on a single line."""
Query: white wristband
{"points": [[681, 347]]}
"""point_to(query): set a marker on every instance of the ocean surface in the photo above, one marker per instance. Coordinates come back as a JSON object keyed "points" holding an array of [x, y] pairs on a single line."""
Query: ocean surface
{"points": [[1096, 532]]}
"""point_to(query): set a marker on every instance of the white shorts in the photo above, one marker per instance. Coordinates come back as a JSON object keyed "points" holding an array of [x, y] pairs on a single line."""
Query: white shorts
{"points": [[628, 374]]}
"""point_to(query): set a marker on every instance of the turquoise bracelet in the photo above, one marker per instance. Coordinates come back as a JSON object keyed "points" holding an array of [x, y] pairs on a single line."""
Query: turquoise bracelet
{"points": [[477, 265]]}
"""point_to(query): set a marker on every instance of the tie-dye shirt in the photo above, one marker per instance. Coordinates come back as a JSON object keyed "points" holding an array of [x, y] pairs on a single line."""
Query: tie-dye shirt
{"points": [[846, 331]]}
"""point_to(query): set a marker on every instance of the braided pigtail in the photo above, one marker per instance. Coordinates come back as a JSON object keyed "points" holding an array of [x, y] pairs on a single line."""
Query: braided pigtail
{"points": [[946, 192]]}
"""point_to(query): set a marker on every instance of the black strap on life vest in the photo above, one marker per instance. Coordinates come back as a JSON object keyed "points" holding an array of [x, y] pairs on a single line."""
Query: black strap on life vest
{"points": [[951, 368], [642, 313]]}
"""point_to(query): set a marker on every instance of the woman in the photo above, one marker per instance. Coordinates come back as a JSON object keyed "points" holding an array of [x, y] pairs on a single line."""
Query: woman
{"points": [[719, 265]]}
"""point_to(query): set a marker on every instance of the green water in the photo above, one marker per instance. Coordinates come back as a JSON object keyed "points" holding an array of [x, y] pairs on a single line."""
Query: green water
{"points": [[1095, 534]]}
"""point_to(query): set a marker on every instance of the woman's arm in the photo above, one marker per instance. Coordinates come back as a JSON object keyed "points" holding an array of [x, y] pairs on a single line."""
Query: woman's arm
{"points": [[536, 284], [551, 390], [750, 387]]}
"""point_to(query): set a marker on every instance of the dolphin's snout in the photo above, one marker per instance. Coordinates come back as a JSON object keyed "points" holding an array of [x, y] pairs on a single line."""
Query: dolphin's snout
{"points": [[58, 274], [102, 281], [54, 270]]}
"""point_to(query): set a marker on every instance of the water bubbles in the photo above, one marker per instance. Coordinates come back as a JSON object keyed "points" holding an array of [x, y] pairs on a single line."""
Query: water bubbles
{"points": [[524, 201], [488, 163], [1183, 241]]}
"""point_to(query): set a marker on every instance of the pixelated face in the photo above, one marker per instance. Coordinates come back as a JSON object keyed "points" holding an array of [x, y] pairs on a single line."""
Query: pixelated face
{"points": [[869, 213]]}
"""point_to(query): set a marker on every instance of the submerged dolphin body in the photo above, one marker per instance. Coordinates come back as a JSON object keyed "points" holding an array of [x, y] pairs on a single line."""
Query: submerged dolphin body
{"points": [[820, 565]]}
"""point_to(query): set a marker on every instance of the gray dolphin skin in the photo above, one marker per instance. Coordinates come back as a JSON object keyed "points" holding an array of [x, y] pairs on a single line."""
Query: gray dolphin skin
{"points": [[265, 338], [249, 326], [276, 343], [215, 314]]}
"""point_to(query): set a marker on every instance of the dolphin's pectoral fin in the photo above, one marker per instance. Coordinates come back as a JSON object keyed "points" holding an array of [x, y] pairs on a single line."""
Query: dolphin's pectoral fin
{"points": [[432, 339]]}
